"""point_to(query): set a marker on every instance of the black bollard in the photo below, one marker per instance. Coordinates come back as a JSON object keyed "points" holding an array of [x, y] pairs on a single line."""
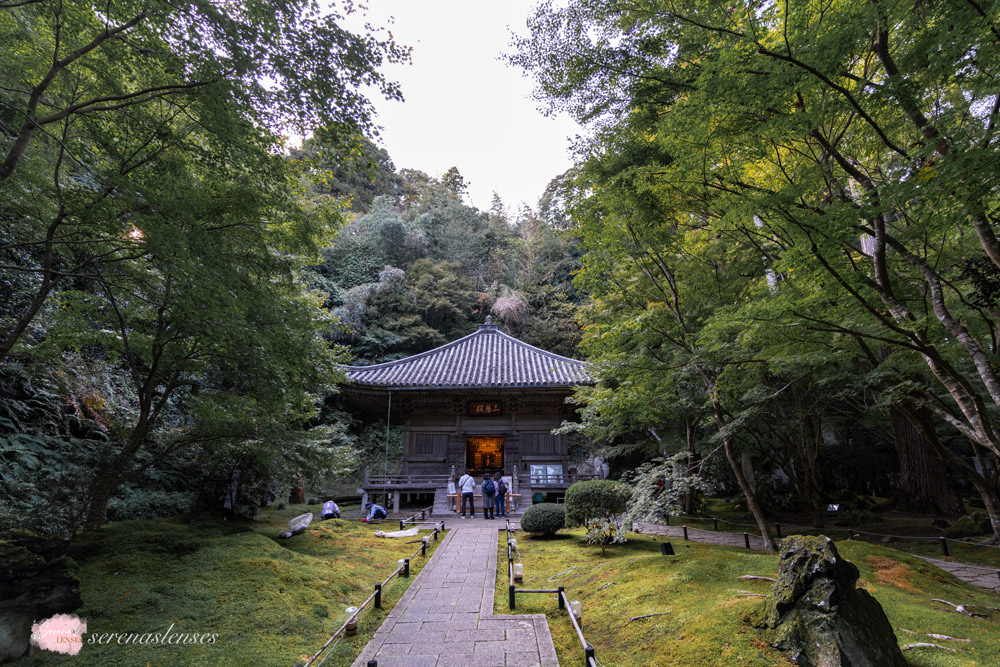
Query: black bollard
{"points": [[685, 528], [510, 597], [944, 546], [378, 596], [668, 519], [746, 539], [373, 663], [423, 548], [435, 534], [562, 603], [422, 515], [777, 529], [666, 549], [716, 523], [402, 525], [588, 655], [406, 567]]}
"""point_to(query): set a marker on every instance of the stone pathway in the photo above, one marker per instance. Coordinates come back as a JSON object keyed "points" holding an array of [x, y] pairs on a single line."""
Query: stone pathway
{"points": [[446, 618], [977, 576]]}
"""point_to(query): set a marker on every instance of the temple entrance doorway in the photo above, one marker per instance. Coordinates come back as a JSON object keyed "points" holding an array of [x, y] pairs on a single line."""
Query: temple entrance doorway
{"points": [[484, 454]]}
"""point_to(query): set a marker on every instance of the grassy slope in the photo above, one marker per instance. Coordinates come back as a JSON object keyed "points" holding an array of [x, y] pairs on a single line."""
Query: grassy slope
{"points": [[699, 589], [270, 601]]}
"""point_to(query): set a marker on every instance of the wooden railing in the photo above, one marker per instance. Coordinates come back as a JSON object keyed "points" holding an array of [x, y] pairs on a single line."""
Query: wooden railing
{"points": [[404, 480]]}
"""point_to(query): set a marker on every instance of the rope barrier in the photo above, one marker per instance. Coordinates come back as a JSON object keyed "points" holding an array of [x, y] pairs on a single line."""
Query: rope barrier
{"points": [[561, 598], [852, 533], [928, 538], [376, 597]]}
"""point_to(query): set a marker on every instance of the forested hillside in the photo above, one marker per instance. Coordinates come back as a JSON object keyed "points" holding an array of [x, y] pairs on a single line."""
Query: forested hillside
{"points": [[177, 286]]}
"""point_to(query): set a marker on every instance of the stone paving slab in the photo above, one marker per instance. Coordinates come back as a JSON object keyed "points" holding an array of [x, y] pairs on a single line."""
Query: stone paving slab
{"points": [[446, 618]]}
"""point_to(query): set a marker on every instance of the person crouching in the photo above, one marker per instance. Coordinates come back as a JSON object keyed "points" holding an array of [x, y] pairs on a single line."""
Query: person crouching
{"points": [[374, 512], [330, 511]]}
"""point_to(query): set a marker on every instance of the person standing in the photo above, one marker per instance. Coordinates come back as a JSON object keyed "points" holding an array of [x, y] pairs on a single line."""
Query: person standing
{"points": [[501, 499], [467, 487], [489, 494]]}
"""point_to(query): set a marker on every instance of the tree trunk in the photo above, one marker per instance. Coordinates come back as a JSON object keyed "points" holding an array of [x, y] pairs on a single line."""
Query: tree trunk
{"points": [[741, 479], [109, 477], [924, 486], [101, 490], [689, 497], [986, 490], [751, 497]]}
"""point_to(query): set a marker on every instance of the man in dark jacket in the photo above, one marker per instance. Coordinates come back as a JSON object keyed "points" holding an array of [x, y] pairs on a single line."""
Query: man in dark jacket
{"points": [[489, 494], [501, 500]]}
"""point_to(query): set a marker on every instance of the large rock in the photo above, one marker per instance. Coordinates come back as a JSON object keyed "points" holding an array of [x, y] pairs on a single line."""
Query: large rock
{"points": [[818, 616], [35, 584]]}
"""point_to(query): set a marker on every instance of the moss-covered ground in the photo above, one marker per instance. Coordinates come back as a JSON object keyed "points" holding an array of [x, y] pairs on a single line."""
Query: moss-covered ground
{"points": [[901, 529], [704, 605], [268, 601]]}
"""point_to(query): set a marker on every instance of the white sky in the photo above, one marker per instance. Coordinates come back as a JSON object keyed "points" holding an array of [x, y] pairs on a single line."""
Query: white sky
{"points": [[464, 106]]}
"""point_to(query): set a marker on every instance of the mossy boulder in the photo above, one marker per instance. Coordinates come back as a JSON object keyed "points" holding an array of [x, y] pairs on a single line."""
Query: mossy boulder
{"points": [[817, 615], [544, 519], [35, 583]]}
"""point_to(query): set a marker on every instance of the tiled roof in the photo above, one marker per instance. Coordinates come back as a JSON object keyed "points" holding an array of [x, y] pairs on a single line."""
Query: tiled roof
{"points": [[487, 358]]}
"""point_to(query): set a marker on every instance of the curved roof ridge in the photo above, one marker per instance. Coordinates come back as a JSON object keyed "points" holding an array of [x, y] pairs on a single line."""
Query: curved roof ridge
{"points": [[537, 349], [387, 364], [486, 358]]}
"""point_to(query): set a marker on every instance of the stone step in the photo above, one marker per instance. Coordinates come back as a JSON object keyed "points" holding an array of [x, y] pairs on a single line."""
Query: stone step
{"points": [[441, 501]]}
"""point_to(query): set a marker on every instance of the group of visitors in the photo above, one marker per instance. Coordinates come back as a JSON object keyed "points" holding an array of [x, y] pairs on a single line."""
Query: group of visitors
{"points": [[332, 511], [493, 490]]}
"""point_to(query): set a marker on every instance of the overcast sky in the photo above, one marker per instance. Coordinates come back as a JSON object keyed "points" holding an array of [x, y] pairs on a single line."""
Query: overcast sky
{"points": [[464, 106]]}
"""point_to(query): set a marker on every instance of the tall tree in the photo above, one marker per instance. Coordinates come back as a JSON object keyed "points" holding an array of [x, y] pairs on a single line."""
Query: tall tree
{"points": [[94, 94], [850, 144], [211, 311]]}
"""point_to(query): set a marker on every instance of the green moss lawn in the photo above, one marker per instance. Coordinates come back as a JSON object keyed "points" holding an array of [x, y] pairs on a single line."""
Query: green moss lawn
{"points": [[270, 601], [704, 603]]}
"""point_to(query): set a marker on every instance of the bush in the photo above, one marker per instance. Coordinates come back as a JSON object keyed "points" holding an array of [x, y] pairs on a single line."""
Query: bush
{"points": [[605, 532], [544, 519], [595, 499], [137, 503], [970, 525]]}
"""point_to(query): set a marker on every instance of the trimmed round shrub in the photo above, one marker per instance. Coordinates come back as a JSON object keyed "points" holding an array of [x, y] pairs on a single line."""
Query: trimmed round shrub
{"points": [[595, 499], [543, 519]]}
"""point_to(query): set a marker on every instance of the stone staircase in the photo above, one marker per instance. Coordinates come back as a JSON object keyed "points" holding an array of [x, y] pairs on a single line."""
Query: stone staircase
{"points": [[442, 508], [441, 502]]}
